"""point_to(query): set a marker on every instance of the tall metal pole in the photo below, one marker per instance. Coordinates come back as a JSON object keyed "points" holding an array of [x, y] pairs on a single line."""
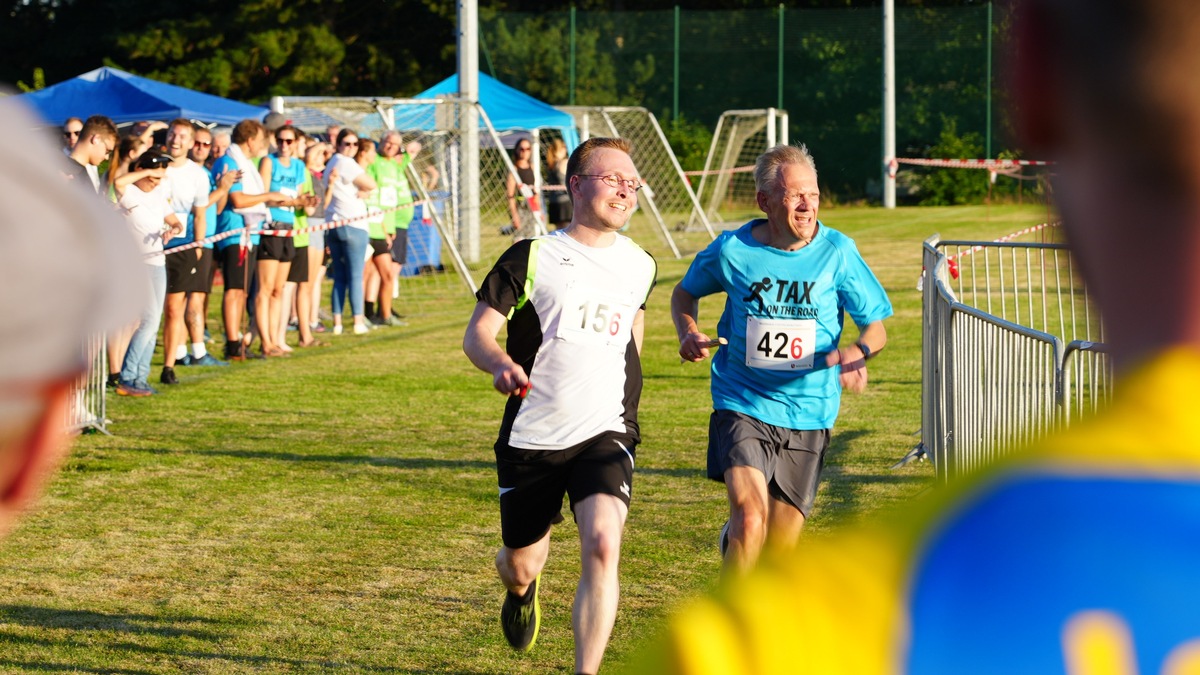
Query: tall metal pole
{"points": [[988, 154], [675, 78], [779, 83], [889, 103], [468, 91], [571, 96]]}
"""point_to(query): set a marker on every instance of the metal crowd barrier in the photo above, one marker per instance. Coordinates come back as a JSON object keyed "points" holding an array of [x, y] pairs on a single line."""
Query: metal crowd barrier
{"points": [[86, 408], [1011, 348]]}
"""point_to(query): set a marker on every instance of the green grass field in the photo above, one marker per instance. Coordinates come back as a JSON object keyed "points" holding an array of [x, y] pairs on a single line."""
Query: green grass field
{"points": [[336, 511]]}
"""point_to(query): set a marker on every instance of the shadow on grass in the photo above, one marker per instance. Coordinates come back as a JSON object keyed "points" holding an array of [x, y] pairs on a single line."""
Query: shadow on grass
{"points": [[8, 665], [395, 462], [71, 620], [844, 495], [139, 624]]}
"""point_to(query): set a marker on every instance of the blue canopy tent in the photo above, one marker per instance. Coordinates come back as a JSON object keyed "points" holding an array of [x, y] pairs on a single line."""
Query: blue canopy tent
{"points": [[125, 97], [506, 107]]}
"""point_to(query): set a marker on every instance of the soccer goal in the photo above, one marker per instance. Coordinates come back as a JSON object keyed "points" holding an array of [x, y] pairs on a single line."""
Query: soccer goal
{"points": [[725, 187], [456, 228], [667, 203]]}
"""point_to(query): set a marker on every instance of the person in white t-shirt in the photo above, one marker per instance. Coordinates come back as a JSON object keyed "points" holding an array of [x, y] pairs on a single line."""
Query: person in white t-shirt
{"points": [[187, 187], [574, 304], [347, 185], [152, 221]]}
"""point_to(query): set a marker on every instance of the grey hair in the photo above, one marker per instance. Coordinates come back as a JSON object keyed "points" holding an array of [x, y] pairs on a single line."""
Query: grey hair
{"points": [[768, 164]]}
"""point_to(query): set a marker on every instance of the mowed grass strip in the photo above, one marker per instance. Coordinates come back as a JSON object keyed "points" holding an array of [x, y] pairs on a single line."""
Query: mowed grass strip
{"points": [[336, 511]]}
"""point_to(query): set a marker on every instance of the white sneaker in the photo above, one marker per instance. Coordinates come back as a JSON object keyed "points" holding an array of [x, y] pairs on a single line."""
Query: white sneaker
{"points": [[360, 328], [337, 329]]}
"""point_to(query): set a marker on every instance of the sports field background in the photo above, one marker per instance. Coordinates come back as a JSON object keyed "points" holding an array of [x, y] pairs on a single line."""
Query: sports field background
{"points": [[336, 511]]}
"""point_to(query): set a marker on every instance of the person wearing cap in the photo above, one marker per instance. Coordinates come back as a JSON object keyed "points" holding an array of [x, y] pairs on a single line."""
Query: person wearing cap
{"points": [[148, 211], [274, 122], [92, 284]]}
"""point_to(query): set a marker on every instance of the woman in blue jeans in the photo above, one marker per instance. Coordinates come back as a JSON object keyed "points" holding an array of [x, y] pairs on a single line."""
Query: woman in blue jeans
{"points": [[150, 217], [347, 186]]}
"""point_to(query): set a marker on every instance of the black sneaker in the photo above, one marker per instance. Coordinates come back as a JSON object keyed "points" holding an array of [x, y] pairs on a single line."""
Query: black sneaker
{"points": [[113, 380], [168, 376], [520, 617]]}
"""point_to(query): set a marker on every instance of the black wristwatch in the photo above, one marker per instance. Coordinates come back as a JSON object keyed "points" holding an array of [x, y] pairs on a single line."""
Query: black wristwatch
{"points": [[862, 346]]}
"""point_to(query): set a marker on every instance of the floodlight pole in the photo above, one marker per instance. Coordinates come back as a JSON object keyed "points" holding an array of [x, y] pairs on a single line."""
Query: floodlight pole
{"points": [[468, 91], [889, 103]]}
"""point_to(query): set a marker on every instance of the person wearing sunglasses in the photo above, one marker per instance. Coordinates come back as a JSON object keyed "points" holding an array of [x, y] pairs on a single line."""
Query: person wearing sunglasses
{"points": [[522, 201], [97, 139], [282, 172], [347, 187], [574, 303], [247, 209], [71, 130]]}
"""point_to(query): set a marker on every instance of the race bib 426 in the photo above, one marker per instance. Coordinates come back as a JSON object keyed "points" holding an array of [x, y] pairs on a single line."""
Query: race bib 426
{"points": [[780, 344]]}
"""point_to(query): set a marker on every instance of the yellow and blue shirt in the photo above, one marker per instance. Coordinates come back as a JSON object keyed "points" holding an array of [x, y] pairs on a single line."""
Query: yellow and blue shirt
{"points": [[1079, 555]]}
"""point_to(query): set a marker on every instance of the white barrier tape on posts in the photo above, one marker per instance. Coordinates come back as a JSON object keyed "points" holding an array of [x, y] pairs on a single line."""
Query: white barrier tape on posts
{"points": [[713, 172], [285, 233], [952, 262], [991, 165]]}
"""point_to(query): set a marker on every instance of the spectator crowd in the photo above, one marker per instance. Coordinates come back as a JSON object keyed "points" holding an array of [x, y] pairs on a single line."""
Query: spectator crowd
{"points": [[240, 210]]}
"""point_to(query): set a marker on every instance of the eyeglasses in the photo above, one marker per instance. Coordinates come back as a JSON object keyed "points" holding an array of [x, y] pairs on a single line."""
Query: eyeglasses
{"points": [[203, 144], [286, 141], [70, 134], [615, 181], [349, 142]]}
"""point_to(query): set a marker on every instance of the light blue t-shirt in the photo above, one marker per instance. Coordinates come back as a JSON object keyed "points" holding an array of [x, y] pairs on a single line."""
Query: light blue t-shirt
{"points": [[288, 180], [783, 313], [229, 219]]}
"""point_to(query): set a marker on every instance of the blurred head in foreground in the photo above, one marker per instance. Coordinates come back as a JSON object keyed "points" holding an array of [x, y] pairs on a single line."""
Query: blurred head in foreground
{"points": [[68, 271], [1110, 91]]}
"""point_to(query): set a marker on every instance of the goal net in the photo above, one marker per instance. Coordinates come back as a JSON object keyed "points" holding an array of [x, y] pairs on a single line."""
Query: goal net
{"points": [[669, 217], [725, 187], [457, 232]]}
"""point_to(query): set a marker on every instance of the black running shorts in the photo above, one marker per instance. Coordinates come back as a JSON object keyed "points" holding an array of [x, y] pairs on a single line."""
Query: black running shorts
{"points": [[299, 270], [237, 273], [187, 271], [533, 482], [282, 249]]}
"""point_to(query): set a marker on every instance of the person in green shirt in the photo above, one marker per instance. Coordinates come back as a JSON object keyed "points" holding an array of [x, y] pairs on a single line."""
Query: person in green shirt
{"points": [[391, 235]]}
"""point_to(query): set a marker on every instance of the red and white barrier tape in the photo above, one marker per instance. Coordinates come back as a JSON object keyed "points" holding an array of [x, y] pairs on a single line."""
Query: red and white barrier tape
{"points": [[992, 164], [952, 262], [713, 172], [333, 224]]}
